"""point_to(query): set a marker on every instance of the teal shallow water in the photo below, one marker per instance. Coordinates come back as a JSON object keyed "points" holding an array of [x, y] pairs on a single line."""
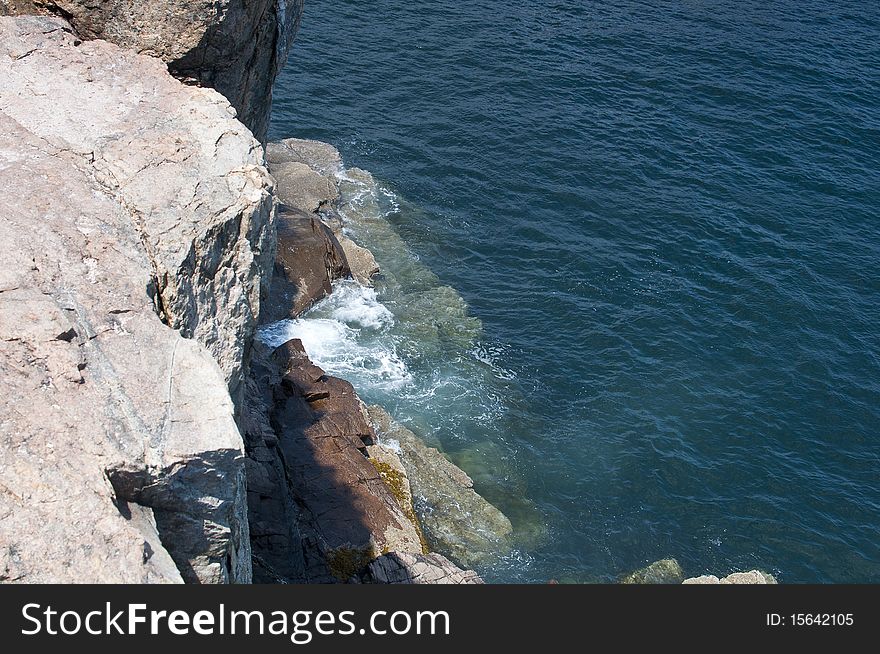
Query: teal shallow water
{"points": [[663, 219]]}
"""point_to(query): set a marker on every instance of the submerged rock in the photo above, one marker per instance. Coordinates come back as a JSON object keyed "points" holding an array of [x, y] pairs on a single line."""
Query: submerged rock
{"points": [[751, 577], [437, 318], [429, 312], [665, 571], [133, 251], [456, 520], [235, 46], [319, 156], [493, 467]]}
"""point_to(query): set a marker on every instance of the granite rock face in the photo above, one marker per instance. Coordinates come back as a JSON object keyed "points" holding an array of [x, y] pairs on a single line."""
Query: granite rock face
{"points": [[188, 174], [235, 46], [135, 230], [456, 520]]}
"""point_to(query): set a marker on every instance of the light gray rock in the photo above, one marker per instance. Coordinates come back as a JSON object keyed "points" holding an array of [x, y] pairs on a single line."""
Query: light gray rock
{"points": [[188, 174], [664, 571], [319, 156], [132, 253], [455, 519], [300, 187], [404, 568], [388, 464], [737, 578], [235, 46], [361, 261]]}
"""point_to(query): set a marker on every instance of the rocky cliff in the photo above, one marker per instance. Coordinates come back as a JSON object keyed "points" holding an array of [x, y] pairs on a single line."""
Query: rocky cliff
{"points": [[145, 436], [136, 229], [234, 46]]}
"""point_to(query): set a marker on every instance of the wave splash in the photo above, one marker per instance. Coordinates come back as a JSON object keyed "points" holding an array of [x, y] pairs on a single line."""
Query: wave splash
{"points": [[347, 335]]}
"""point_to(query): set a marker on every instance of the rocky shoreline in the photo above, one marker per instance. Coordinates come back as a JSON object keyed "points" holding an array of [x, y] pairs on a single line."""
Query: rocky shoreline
{"points": [[147, 433], [348, 499]]}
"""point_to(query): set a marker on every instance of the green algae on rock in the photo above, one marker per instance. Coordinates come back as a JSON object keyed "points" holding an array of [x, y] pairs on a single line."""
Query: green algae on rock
{"points": [[456, 521], [664, 571]]}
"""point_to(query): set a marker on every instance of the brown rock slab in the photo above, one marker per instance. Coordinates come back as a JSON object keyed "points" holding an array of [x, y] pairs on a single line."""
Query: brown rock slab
{"points": [[307, 260], [310, 462]]}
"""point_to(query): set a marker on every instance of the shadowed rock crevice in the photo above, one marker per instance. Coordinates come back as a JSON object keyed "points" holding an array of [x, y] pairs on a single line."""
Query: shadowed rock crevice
{"points": [[197, 513], [320, 511]]}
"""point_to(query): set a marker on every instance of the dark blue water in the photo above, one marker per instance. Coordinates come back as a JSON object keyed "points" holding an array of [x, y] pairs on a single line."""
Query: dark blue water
{"points": [[667, 217]]}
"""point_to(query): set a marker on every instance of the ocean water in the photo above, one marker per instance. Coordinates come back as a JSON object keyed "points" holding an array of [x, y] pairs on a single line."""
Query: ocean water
{"points": [[631, 257]]}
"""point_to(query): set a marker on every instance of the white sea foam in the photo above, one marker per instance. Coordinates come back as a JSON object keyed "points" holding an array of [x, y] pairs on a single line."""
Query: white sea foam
{"points": [[356, 306], [346, 335], [491, 356], [390, 444]]}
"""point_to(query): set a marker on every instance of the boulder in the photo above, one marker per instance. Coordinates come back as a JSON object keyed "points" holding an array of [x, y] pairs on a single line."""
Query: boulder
{"points": [[300, 187], [455, 519], [313, 249], [308, 259], [665, 571], [235, 46], [133, 248], [751, 577]]}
